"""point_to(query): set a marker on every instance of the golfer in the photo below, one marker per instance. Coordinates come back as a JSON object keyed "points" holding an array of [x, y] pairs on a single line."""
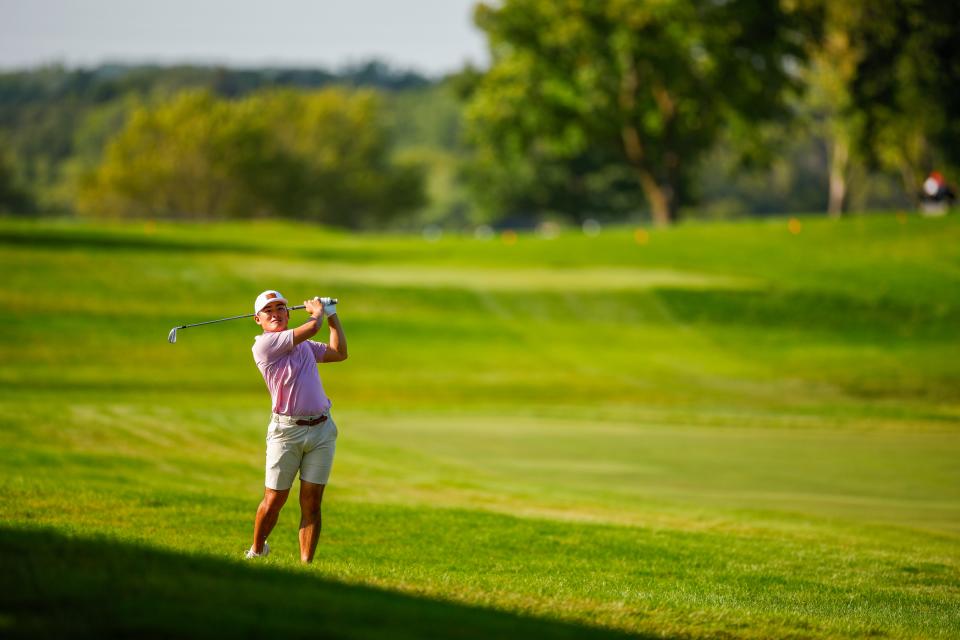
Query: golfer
{"points": [[301, 435]]}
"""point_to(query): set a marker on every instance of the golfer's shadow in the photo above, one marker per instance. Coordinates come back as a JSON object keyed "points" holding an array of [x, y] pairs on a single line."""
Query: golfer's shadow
{"points": [[59, 586]]}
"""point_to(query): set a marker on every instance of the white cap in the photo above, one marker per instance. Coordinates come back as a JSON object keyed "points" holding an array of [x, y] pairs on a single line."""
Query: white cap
{"points": [[266, 298]]}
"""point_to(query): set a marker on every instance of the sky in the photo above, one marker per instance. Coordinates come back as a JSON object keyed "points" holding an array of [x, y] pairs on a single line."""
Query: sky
{"points": [[429, 36]]}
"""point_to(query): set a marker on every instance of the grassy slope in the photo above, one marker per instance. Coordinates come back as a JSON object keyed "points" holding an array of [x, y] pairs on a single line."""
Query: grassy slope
{"points": [[728, 430]]}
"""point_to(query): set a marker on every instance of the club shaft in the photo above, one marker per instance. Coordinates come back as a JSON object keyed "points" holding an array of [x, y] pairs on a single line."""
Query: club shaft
{"points": [[249, 315]]}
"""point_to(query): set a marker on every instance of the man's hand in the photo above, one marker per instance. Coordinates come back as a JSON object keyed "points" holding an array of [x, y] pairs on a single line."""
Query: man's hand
{"points": [[329, 308], [310, 327], [314, 307]]}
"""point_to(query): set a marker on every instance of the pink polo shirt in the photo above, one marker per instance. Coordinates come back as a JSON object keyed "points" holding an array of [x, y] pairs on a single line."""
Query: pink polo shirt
{"points": [[291, 373]]}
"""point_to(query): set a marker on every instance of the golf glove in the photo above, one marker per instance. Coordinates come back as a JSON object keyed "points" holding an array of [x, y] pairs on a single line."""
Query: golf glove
{"points": [[329, 308]]}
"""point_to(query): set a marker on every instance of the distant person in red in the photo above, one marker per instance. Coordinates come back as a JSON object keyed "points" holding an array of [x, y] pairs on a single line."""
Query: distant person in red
{"points": [[937, 195]]}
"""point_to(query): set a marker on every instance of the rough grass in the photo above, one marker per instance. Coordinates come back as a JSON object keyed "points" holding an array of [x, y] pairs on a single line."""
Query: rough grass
{"points": [[726, 431]]}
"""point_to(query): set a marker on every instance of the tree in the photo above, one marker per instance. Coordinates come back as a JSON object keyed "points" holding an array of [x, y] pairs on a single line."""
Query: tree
{"points": [[641, 84], [322, 156], [834, 55], [340, 149], [180, 159], [13, 197]]}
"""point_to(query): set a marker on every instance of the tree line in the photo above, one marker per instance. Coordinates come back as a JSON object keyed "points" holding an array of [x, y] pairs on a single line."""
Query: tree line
{"points": [[612, 109], [638, 92]]}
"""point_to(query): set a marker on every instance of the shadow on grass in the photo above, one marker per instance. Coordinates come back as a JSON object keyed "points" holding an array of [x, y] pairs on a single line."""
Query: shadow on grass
{"points": [[58, 586], [78, 239], [104, 242]]}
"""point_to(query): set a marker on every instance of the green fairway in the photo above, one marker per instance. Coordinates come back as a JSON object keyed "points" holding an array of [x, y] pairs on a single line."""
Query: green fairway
{"points": [[722, 430]]}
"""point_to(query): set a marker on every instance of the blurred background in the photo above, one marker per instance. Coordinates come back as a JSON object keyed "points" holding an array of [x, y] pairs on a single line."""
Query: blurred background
{"points": [[455, 115]]}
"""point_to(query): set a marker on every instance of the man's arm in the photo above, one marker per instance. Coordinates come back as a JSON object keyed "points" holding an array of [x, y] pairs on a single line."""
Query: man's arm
{"points": [[337, 348], [309, 328]]}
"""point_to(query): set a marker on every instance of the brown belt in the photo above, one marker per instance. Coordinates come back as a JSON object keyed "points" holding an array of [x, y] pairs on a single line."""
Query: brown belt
{"points": [[310, 423]]}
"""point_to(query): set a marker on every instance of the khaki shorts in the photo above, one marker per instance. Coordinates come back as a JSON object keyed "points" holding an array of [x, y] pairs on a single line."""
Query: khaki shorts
{"points": [[292, 448]]}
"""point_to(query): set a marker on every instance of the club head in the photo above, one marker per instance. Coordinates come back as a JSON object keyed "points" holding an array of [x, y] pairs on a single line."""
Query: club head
{"points": [[173, 335]]}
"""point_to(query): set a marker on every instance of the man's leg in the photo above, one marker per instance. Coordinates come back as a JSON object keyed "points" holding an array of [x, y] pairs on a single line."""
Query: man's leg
{"points": [[310, 496], [267, 515]]}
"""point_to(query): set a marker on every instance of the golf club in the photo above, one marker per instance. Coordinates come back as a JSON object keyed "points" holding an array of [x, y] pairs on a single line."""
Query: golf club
{"points": [[172, 338]]}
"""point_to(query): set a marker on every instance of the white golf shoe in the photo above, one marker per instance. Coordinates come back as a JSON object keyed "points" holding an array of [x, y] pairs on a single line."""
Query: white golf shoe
{"points": [[253, 554]]}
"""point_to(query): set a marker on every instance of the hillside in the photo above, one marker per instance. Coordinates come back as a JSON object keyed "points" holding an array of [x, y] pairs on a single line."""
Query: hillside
{"points": [[726, 430]]}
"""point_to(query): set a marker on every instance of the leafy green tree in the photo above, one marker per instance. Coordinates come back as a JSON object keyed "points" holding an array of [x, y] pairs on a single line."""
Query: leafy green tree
{"points": [[338, 147], [177, 160], [322, 156], [642, 84]]}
